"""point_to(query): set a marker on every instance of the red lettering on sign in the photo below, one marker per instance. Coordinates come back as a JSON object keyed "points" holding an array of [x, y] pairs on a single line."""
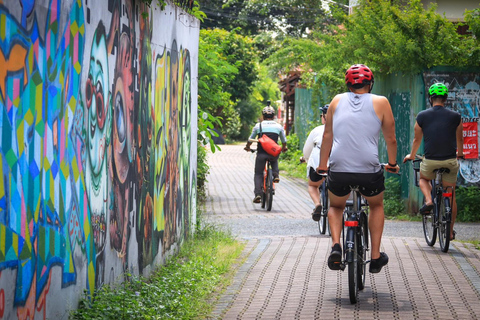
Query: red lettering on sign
{"points": [[470, 140]]}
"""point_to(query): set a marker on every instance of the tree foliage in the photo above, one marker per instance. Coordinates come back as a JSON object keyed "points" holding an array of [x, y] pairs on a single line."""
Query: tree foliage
{"points": [[387, 35], [227, 73], [292, 17], [190, 6]]}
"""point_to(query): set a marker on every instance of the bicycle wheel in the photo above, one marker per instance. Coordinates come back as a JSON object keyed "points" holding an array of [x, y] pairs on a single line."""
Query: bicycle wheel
{"points": [[322, 223], [264, 198], [269, 192], [352, 265], [429, 228], [444, 222], [362, 249]]}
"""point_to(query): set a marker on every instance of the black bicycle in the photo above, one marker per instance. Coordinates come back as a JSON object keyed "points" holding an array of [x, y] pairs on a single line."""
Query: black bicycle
{"points": [[323, 225], [355, 242], [268, 188], [439, 220]]}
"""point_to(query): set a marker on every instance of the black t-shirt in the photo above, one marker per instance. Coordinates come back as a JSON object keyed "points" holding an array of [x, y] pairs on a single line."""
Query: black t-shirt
{"points": [[439, 126]]}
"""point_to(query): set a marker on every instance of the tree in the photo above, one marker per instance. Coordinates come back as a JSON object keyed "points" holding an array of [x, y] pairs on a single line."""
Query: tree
{"points": [[387, 35], [227, 71], [291, 17]]}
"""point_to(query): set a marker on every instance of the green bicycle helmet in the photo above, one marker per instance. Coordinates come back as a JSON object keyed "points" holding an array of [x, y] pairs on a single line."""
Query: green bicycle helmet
{"points": [[438, 89]]}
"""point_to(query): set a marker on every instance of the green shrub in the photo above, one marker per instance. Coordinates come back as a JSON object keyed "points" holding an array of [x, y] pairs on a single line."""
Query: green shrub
{"points": [[468, 204], [294, 151], [392, 201], [202, 170]]}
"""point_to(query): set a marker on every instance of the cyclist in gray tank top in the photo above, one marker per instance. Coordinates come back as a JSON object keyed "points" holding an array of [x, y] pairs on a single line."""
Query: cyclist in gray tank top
{"points": [[350, 140], [355, 142]]}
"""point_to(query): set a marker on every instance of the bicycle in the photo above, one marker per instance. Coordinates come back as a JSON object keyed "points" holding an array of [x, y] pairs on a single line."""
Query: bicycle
{"points": [[323, 225], [355, 242], [439, 220], [268, 189]]}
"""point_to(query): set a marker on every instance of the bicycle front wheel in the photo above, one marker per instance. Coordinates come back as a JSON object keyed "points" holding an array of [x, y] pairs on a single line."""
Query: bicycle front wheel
{"points": [[269, 184], [444, 222], [322, 223], [429, 228]]}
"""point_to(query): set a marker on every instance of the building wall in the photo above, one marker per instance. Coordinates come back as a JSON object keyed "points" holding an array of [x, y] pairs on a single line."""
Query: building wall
{"points": [[453, 9], [97, 146]]}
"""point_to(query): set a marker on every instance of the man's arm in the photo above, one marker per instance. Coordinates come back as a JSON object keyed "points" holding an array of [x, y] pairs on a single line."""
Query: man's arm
{"points": [[252, 136], [382, 107], [417, 140], [459, 134], [327, 140], [308, 146]]}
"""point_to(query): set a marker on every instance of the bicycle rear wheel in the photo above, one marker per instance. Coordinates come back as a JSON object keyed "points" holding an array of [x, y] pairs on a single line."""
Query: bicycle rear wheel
{"points": [[269, 184], [353, 267], [362, 249], [429, 228], [322, 223], [444, 222]]}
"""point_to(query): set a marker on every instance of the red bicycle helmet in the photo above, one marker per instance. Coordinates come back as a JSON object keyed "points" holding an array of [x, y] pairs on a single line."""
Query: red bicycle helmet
{"points": [[358, 74]]}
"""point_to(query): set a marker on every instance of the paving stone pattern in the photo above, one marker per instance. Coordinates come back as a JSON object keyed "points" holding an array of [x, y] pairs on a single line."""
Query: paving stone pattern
{"points": [[285, 275]]}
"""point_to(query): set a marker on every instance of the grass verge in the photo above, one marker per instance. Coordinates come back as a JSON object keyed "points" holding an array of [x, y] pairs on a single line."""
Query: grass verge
{"points": [[182, 288]]}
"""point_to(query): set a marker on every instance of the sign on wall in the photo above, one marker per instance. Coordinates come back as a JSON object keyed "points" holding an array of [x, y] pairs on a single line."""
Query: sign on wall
{"points": [[470, 139]]}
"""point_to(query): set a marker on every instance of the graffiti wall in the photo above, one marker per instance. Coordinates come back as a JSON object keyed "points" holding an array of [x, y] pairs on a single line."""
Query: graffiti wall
{"points": [[97, 146]]}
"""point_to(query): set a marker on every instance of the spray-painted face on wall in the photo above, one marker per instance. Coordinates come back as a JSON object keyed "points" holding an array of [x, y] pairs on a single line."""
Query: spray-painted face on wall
{"points": [[97, 127], [96, 93]]}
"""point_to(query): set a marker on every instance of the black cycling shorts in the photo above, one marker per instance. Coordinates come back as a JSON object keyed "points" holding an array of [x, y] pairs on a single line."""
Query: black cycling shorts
{"points": [[370, 184], [314, 176]]}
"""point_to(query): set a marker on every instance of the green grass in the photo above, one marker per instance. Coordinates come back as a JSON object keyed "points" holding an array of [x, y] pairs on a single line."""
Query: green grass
{"points": [[182, 288], [293, 169]]}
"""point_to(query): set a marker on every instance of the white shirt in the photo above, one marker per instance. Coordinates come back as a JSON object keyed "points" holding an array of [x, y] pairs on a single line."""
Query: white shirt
{"points": [[311, 149]]}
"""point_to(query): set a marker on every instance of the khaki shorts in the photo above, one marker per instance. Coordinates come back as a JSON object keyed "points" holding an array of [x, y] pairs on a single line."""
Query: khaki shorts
{"points": [[427, 166]]}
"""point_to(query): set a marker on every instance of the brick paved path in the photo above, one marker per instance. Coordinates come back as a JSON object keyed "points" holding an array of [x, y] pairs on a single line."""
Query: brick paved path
{"points": [[285, 275]]}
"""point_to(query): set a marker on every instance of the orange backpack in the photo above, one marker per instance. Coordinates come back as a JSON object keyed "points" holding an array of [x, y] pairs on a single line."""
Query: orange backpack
{"points": [[267, 143]]}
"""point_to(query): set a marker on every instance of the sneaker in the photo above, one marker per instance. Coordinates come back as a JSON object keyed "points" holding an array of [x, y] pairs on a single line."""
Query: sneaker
{"points": [[257, 199], [425, 209], [335, 258], [276, 179], [317, 213], [377, 264]]}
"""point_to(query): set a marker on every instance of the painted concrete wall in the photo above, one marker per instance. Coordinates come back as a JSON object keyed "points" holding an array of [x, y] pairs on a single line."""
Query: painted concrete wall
{"points": [[97, 146]]}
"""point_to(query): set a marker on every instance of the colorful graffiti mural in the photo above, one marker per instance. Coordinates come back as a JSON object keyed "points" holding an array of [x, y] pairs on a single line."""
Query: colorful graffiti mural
{"points": [[96, 144]]}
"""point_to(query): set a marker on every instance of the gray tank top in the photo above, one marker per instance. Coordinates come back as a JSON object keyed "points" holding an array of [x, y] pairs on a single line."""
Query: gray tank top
{"points": [[356, 128]]}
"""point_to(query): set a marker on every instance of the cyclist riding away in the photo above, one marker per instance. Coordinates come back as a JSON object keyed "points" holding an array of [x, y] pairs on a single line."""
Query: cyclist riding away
{"points": [[311, 153], [350, 143], [442, 133], [274, 130]]}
